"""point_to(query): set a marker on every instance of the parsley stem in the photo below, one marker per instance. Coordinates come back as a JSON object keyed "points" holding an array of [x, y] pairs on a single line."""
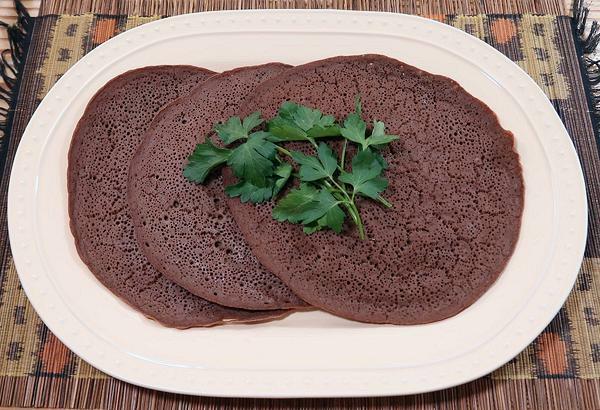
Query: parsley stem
{"points": [[353, 211], [283, 151], [384, 201], [336, 194], [343, 158], [338, 186], [339, 189], [341, 195]]}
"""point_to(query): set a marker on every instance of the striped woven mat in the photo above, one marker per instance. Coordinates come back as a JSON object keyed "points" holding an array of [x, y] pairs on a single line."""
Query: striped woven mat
{"points": [[560, 369]]}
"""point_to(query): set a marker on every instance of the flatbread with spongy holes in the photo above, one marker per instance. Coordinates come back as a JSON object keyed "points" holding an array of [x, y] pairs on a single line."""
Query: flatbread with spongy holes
{"points": [[185, 229], [103, 144], [454, 179]]}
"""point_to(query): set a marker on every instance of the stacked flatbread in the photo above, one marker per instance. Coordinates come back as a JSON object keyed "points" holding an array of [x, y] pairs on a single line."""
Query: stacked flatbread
{"points": [[187, 255]]}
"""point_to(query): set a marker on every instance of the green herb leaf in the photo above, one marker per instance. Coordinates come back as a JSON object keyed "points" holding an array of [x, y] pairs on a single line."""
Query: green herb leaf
{"points": [[380, 159], [305, 117], [257, 194], [372, 188], [299, 205], [319, 131], [327, 158], [312, 228], [305, 205], [357, 105], [283, 173], [364, 177], [333, 219], [252, 121], [312, 168], [287, 110], [379, 137], [234, 129], [248, 192], [355, 129], [231, 130], [203, 160], [253, 160], [283, 129], [295, 122]]}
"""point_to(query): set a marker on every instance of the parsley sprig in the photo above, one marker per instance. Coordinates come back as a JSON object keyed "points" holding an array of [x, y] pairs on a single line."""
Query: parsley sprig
{"points": [[327, 191]]}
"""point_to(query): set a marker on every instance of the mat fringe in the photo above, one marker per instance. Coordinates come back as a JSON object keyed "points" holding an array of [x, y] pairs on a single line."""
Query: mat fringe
{"points": [[587, 40], [11, 62]]}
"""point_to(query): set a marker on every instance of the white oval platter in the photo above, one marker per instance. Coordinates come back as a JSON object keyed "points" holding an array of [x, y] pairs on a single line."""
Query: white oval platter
{"points": [[310, 354]]}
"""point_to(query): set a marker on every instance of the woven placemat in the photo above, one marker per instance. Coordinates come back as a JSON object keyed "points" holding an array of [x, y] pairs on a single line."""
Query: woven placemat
{"points": [[560, 369]]}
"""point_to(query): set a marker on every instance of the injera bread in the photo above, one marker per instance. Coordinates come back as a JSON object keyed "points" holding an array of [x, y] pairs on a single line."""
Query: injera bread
{"points": [[455, 183], [185, 229], [102, 146]]}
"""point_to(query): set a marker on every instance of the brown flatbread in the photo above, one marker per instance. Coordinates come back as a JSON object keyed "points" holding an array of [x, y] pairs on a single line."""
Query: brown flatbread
{"points": [[455, 183], [184, 229], [103, 143]]}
